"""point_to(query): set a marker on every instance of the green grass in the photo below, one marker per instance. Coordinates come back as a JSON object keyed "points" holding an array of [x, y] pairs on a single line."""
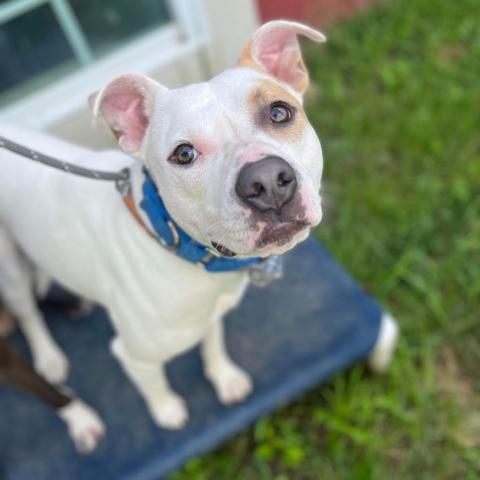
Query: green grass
{"points": [[396, 102]]}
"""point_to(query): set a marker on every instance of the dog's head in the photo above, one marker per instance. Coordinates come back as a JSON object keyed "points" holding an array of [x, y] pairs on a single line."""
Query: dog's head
{"points": [[235, 159]]}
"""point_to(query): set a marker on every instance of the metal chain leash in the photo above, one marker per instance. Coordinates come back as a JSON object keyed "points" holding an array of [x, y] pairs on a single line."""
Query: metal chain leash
{"points": [[121, 178]]}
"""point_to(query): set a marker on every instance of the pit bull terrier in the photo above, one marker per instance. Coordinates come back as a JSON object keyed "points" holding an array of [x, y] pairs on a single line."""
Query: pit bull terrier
{"points": [[223, 174]]}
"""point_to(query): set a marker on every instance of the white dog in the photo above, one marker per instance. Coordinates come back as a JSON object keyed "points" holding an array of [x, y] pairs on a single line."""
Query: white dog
{"points": [[238, 168]]}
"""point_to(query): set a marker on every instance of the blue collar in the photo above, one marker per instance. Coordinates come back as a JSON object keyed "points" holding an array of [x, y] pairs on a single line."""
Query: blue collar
{"points": [[172, 237]]}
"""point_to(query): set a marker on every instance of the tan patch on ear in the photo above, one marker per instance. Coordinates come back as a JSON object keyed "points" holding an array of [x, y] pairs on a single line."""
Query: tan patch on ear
{"points": [[259, 100], [246, 60]]}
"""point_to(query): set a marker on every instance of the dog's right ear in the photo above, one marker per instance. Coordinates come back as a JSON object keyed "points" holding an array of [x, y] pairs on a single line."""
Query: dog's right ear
{"points": [[126, 104]]}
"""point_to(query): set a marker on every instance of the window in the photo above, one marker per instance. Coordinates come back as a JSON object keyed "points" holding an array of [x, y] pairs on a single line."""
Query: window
{"points": [[43, 40]]}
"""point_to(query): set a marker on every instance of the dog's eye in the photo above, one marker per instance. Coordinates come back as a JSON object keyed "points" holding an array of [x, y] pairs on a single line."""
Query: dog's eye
{"points": [[184, 154], [280, 112]]}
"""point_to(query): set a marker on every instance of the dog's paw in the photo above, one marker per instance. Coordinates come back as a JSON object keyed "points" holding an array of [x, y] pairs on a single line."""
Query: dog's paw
{"points": [[85, 427], [52, 364], [169, 412], [231, 383]]}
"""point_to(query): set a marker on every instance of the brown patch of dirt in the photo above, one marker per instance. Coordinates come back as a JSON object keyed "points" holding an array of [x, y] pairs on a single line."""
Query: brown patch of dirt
{"points": [[451, 53], [454, 384]]}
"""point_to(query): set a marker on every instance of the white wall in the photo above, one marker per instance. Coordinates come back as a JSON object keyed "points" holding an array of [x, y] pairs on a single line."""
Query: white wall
{"points": [[232, 23]]}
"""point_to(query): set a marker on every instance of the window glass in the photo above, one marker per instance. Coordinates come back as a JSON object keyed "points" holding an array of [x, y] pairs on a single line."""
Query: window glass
{"points": [[110, 22], [40, 45], [29, 45]]}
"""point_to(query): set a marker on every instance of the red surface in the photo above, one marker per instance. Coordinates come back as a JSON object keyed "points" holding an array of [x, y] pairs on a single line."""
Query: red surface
{"points": [[313, 12], [285, 9]]}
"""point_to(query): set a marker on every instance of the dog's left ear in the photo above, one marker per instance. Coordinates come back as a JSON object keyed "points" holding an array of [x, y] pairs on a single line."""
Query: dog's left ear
{"points": [[274, 49], [126, 104]]}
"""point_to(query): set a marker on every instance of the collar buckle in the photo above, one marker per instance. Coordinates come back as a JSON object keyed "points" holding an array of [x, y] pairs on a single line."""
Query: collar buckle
{"points": [[211, 254]]}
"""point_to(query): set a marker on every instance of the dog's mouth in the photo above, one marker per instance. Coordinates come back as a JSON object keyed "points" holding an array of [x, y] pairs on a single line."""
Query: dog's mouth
{"points": [[226, 252], [281, 235]]}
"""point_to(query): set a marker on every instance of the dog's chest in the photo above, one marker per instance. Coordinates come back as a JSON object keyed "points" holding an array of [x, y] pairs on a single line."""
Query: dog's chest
{"points": [[174, 305]]}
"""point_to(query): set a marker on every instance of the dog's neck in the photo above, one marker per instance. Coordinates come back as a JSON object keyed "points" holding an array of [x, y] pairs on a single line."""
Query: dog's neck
{"points": [[149, 211]]}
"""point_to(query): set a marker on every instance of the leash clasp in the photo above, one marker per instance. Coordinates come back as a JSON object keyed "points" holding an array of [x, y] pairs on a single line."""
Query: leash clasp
{"points": [[123, 184]]}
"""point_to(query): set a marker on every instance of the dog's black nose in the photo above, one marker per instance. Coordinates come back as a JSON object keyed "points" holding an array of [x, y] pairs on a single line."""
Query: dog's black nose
{"points": [[267, 184]]}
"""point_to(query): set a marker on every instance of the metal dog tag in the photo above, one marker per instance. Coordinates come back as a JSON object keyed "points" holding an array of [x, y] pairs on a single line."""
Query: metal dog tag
{"points": [[264, 273]]}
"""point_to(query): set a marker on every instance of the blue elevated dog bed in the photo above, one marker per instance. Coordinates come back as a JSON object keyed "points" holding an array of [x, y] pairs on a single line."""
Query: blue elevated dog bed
{"points": [[291, 337]]}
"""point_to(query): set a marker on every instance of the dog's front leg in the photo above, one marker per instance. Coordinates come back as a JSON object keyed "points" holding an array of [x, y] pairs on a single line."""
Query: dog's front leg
{"points": [[231, 383], [166, 407], [17, 294]]}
